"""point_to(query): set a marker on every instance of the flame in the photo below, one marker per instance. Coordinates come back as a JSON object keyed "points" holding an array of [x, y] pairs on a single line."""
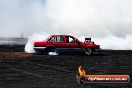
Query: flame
{"points": [[81, 71]]}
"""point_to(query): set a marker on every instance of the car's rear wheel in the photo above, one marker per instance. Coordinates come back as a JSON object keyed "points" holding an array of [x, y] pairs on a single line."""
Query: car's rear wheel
{"points": [[40, 52], [52, 51], [88, 51]]}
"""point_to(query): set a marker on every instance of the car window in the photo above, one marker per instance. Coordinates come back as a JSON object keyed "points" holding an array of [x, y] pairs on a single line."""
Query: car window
{"points": [[52, 39], [70, 39], [57, 39]]}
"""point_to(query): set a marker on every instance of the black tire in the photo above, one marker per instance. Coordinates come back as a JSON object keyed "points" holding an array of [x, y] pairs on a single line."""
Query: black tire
{"points": [[88, 51]]}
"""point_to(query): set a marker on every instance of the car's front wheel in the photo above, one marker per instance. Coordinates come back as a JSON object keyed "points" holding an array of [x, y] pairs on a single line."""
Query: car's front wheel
{"points": [[88, 51]]}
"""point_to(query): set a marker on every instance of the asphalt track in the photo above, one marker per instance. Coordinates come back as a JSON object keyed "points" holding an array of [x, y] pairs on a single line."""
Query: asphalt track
{"points": [[22, 70]]}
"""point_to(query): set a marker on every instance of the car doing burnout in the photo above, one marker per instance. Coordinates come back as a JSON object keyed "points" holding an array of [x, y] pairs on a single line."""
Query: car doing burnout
{"points": [[66, 43]]}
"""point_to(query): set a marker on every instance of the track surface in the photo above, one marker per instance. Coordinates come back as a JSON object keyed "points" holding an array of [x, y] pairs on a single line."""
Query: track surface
{"points": [[22, 70]]}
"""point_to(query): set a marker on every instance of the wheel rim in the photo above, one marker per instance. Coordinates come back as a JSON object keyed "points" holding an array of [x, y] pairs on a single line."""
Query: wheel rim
{"points": [[88, 51]]}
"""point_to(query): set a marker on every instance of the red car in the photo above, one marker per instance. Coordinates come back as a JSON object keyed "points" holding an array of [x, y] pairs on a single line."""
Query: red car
{"points": [[66, 43]]}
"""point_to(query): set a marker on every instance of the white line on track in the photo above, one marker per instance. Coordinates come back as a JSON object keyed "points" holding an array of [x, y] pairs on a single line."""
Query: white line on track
{"points": [[53, 67], [26, 72]]}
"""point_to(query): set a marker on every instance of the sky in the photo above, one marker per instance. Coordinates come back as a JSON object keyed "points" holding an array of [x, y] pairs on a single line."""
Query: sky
{"points": [[94, 18]]}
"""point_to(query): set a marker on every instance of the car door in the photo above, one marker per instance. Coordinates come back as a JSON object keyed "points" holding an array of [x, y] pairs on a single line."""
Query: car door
{"points": [[72, 44], [57, 41], [60, 42]]}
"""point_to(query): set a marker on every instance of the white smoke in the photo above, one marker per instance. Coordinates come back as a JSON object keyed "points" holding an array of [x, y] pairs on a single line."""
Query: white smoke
{"points": [[112, 42], [115, 43], [95, 18], [53, 53], [104, 20], [35, 37], [109, 42]]}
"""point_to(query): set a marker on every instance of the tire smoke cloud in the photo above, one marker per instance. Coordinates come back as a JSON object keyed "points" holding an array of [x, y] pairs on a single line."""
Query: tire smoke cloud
{"points": [[110, 42], [108, 22]]}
